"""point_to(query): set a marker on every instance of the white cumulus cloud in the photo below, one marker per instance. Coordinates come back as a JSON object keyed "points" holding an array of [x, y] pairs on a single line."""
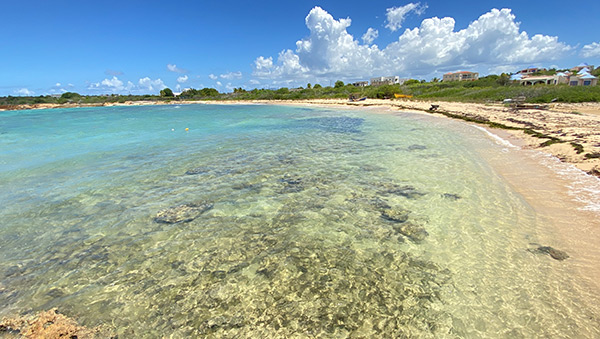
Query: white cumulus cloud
{"points": [[396, 15], [231, 75], [174, 68], [493, 40], [213, 77], [113, 85], [24, 91], [151, 85], [591, 50], [370, 35], [182, 79]]}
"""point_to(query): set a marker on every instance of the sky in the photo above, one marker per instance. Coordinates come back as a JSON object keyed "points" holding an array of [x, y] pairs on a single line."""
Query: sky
{"points": [[140, 47]]}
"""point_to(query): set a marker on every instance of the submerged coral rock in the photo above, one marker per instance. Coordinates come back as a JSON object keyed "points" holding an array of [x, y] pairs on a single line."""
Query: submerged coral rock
{"points": [[553, 252], [182, 213], [412, 231], [451, 196], [416, 147], [395, 214], [406, 191], [291, 184], [198, 170]]}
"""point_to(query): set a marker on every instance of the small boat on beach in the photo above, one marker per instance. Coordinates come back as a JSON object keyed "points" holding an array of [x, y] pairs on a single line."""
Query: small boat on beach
{"points": [[402, 96], [352, 98]]}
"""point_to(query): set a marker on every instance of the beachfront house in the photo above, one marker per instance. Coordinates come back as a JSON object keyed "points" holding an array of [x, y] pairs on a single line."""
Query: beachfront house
{"points": [[583, 78], [360, 84], [391, 80], [558, 78], [461, 76]]}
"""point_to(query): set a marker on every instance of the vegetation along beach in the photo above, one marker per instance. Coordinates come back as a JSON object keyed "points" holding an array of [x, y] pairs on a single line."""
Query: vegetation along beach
{"points": [[407, 170]]}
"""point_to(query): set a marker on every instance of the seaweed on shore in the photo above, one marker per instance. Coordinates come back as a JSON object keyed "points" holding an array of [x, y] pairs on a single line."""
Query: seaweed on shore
{"points": [[484, 121]]}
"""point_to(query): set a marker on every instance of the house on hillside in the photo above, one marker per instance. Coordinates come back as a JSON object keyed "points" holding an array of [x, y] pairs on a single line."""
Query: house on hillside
{"points": [[581, 66], [461, 76], [558, 78], [531, 70], [392, 80], [583, 78]]}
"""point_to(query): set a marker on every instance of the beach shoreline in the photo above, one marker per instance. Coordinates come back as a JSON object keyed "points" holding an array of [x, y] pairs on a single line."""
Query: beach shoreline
{"points": [[561, 221], [566, 131]]}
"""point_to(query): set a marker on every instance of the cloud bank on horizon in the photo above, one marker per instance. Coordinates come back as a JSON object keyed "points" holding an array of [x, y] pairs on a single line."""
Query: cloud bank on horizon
{"points": [[493, 41]]}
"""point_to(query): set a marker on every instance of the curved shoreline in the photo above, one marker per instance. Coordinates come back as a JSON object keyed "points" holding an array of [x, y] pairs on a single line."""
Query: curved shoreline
{"points": [[567, 131], [563, 225]]}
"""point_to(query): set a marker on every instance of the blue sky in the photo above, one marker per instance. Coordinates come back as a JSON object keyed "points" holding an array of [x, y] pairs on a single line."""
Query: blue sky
{"points": [[139, 47]]}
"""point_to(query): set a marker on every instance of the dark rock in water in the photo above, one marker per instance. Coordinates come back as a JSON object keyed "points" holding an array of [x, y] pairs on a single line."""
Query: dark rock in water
{"points": [[198, 170], [451, 196], [291, 184], [13, 270], [285, 159], [55, 293], [247, 186], [238, 268], [416, 147], [379, 203], [219, 274], [395, 214], [182, 213], [406, 191], [553, 252], [412, 231]]}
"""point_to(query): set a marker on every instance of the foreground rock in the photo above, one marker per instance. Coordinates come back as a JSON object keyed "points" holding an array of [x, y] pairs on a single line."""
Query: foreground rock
{"points": [[182, 213], [553, 252], [50, 324]]}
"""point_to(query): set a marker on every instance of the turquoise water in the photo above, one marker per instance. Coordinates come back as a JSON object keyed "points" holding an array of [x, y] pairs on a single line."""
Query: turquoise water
{"points": [[272, 221]]}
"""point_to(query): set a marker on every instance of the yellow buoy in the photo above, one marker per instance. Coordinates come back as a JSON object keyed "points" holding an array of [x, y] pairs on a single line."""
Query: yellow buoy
{"points": [[187, 129]]}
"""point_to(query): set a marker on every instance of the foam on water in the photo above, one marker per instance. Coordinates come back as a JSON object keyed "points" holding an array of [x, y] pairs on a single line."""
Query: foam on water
{"points": [[583, 187]]}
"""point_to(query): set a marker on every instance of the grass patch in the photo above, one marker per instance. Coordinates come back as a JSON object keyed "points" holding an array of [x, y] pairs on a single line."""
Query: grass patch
{"points": [[578, 147], [593, 155], [551, 142]]}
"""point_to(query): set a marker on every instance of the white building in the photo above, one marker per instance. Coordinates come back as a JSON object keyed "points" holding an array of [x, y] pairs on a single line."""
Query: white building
{"points": [[461, 76], [392, 80]]}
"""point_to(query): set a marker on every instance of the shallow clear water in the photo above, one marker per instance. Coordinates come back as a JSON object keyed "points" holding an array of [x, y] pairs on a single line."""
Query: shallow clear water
{"points": [[307, 222]]}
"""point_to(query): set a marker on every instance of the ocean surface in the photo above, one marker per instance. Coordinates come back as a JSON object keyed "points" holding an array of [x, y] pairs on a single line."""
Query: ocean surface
{"points": [[275, 221]]}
